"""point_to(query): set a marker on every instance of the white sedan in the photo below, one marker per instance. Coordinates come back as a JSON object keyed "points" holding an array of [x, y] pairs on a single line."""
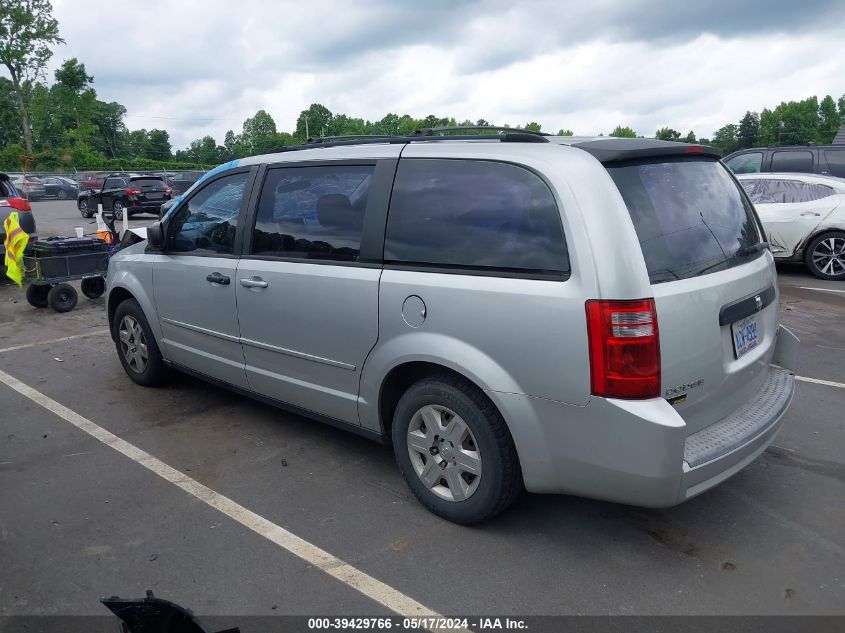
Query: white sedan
{"points": [[804, 218]]}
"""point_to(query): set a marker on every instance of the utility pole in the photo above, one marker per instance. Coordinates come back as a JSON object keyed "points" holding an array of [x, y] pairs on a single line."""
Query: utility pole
{"points": [[307, 135]]}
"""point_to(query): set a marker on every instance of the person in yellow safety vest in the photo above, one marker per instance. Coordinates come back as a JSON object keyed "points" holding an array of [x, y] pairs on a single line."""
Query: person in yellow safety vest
{"points": [[16, 241]]}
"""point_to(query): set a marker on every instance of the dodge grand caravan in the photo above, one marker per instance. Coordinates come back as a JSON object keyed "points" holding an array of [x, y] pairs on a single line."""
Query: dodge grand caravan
{"points": [[595, 317]]}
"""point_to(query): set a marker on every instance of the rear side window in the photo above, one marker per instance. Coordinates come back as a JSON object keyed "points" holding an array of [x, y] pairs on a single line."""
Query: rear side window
{"points": [[835, 161], [795, 161], [474, 215], [689, 215], [746, 163], [312, 212], [6, 189]]}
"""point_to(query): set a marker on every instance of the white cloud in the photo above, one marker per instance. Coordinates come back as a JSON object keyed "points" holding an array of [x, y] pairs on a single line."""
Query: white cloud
{"points": [[198, 68]]}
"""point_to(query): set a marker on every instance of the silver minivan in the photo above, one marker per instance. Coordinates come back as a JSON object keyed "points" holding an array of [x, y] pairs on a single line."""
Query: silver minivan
{"points": [[589, 316]]}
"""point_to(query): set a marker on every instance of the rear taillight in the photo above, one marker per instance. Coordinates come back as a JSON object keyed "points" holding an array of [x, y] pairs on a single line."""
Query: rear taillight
{"points": [[21, 204], [624, 348], [132, 192]]}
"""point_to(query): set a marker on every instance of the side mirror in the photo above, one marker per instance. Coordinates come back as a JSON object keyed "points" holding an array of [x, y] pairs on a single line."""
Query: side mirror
{"points": [[155, 236]]}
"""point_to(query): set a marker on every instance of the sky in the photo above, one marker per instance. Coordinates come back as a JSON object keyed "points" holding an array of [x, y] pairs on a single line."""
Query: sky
{"points": [[197, 67]]}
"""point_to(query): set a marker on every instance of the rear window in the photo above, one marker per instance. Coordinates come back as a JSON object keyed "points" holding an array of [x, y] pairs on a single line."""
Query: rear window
{"points": [[746, 163], [689, 215], [477, 215], [147, 183]]}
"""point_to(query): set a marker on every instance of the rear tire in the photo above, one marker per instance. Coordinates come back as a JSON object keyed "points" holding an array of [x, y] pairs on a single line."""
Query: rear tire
{"points": [[37, 295], [444, 430], [93, 287], [62, 297], [117, 207], [61, 194], [825, 256], [84, 210], [136, 345]]}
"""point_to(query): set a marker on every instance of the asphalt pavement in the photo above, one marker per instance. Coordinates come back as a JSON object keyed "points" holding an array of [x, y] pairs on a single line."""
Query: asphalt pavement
{"points": [[80, 520]]}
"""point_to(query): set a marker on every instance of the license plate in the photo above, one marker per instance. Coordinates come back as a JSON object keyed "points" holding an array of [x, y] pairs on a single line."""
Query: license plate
{"points": [[746, 335], [154, 196]]}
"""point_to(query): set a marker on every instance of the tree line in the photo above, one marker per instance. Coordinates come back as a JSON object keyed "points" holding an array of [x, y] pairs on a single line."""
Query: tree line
{"points": [[62, 125]]}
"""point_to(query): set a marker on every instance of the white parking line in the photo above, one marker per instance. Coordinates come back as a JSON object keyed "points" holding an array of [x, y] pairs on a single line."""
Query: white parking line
{"points": [[817, 381], [371, 587], [15, 348], [821, 289]]}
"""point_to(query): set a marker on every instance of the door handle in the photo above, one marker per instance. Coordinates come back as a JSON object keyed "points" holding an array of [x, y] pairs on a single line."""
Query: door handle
{"points": [[809, 214], [217, 278], [254, 282]]}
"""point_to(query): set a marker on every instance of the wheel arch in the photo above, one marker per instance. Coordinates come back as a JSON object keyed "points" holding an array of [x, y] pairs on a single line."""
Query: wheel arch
{"points": [[129, 287]]}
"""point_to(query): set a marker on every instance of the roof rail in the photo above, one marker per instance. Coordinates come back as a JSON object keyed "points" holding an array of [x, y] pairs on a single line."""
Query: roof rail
{"points": [[507, 135], [431, 131]]}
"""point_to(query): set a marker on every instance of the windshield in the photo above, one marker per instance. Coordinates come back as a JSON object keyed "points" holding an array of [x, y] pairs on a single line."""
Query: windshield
{"points": [[689, 215]]}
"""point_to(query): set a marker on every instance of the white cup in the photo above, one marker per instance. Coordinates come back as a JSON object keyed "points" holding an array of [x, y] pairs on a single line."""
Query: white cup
{"points": [[78, 230]]}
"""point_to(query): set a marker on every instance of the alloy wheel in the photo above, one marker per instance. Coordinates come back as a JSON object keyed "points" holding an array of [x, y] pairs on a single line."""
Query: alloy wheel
{"points": [[829, 256]]}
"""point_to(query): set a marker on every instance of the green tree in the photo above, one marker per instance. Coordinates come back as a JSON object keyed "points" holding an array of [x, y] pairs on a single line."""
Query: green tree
{"points": [[314, 122], [623, 132], [690, 138], [830, 120], [10, 116], [27, 30], [666, 134], [748, 130], [157, 146], [725, 138], [259, 134], [562, 132], [532, 126], [111, 139]]}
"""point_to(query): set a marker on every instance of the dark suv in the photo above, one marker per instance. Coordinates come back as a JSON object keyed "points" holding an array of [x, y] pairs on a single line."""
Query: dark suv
{"points": [[126, 193], [804, 159]]}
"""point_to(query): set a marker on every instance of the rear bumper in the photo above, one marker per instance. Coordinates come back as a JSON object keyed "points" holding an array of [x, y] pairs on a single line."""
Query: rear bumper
{"points": [[641, 452], [146, 207]]}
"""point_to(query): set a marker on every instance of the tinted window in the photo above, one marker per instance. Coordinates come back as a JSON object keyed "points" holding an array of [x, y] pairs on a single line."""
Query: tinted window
{"points": [[312, 212], [207, 221], [835, 161], [6, 189], [746, 163], [774, 191], [689, 216], [114, 183], [147, 183], [797, 161], [477, 214]]}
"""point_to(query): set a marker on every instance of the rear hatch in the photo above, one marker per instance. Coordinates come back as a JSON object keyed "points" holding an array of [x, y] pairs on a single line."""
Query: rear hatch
{"points": [[152, 190], [713, 281]]}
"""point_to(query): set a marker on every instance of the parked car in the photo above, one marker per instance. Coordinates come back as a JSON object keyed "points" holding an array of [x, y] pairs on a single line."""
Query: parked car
{"points": [[125, 193], [11, 200], [30, 187], [806, 159], [60, 187], [591, 316], [91, 180], [804, 218], [180, 182]]}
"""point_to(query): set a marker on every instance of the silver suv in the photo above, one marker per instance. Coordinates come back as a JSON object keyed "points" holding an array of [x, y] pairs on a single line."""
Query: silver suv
{"points": [[596, 317]]}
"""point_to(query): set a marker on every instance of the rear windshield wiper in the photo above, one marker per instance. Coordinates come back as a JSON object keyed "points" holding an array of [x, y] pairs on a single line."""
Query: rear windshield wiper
{"points": [[753, 248]]}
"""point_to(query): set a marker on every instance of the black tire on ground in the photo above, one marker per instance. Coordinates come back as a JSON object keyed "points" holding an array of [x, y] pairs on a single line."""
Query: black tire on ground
{"points": [[84, 209], [501, 476], [831, 255], [155, 371], [36, 295], [117, 207], [61, 194], [93, 287], [62, 297]]}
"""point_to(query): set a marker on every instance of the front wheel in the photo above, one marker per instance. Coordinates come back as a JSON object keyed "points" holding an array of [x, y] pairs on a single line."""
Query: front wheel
{"points": [[93, 287], [825, 256], [61, 194], [136, 346], [454, 450]]}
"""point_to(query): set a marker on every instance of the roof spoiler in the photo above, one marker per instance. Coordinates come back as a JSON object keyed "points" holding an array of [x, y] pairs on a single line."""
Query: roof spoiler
{"points": [[616, 150]]}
